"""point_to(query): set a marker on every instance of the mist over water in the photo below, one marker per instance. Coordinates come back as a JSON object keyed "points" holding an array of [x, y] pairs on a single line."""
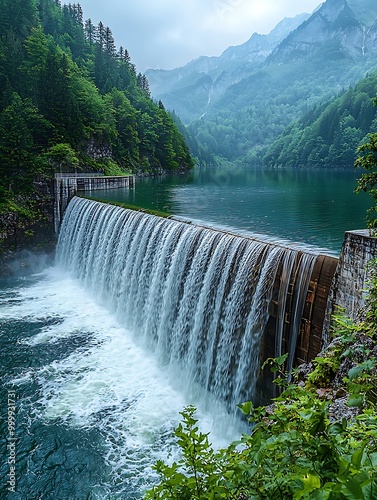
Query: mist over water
{"points": [[95, 410]]}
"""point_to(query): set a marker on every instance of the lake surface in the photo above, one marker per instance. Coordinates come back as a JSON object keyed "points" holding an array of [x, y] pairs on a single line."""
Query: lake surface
{"points": [[312, 207]]}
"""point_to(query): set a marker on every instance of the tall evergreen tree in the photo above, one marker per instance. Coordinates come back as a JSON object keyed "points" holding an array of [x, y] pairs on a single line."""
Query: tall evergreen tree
{"points": [[143, 83], [109, 43], [90, 31], [100, 34]]}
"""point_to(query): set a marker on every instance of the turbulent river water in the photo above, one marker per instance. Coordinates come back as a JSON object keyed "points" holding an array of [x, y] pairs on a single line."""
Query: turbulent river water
{"points": [[94, 408]]}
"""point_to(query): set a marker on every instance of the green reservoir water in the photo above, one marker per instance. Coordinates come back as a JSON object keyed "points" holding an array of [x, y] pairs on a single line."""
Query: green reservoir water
{"points": [[312, 207]]}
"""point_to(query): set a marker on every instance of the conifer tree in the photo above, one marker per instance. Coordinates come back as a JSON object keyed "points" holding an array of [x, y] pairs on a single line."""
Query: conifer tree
{"points": [[100, 35], [143, 84], [109, 43], [123, 55], [90, 31]]}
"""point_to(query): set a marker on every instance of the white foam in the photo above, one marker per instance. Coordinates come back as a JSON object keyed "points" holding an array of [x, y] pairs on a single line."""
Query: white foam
{"points": [[108, 383]]}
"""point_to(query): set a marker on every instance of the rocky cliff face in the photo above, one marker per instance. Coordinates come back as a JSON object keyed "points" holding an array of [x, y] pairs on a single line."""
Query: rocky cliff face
{"points": [[259, 47], [333, 21], [205, 79]]}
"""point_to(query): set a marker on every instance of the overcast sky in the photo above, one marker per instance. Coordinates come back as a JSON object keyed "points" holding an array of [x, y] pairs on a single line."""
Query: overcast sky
{"points": [[170, 33]]}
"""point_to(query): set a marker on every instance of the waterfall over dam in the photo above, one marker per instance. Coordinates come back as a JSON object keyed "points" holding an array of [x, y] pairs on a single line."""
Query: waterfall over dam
{"points": [[209, 304]]}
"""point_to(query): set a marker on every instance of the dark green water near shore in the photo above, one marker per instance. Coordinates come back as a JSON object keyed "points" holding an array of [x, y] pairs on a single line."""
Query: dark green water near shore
{"points": [[312, 207]]}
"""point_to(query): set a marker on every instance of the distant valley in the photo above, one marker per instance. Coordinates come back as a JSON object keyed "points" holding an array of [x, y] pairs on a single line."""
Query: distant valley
{"points": [[236, 106]]}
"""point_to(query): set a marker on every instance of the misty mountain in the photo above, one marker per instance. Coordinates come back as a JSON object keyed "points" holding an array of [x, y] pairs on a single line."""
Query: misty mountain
{"points": [[238, 104], [328, 135], [206, 78], [335, 21]]}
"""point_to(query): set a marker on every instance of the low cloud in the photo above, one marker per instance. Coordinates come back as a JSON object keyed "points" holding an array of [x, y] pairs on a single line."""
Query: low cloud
{"points": [[169, 33]]}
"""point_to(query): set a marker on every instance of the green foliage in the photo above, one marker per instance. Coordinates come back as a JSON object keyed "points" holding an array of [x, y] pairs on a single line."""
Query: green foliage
{"points": [[198, 475], [324, 371], [293, 452], [109, 167], [68, 100], [371, 301], [300, 446], [367, 160], [330, 134], [276, 366], [62, 158], [20, 125]]}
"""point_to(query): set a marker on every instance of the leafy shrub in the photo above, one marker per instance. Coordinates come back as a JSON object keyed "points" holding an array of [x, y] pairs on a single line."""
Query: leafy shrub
{"points": [[301, 446]]}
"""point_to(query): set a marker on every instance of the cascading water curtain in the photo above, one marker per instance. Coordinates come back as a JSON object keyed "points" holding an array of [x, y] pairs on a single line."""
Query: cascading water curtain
{"points": [[197, 297]]}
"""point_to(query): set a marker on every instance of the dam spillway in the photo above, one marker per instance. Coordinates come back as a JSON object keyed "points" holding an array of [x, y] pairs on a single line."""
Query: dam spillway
{"points": [[209, 304]]}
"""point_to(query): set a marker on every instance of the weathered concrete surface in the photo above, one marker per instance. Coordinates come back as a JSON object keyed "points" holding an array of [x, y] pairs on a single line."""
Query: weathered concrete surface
{"points": [[66, 186], [351, 277], [335, 283], [309, 340]]}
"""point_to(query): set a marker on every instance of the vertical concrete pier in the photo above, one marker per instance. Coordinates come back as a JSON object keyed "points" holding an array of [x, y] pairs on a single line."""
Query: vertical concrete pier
{"points": [[68, 185]]}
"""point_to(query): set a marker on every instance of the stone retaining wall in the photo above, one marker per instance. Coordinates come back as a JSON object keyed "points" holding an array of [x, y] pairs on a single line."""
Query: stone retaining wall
{"points": [[351, 276]]}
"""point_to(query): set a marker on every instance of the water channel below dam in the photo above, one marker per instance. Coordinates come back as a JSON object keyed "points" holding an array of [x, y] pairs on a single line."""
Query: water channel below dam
{"points": [[105, 348]]}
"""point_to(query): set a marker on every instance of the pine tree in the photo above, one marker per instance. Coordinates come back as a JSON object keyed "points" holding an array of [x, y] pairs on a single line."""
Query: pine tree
{"points": [[123, 55], [100, 35], [143, 84], [79, 15], [90, 32], [109, 43]]}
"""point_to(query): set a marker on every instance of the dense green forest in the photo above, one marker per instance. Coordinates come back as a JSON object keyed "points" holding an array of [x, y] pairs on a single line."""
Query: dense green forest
{"points": [[69, 100], [238, 104], [247, 119], [328, 134]]}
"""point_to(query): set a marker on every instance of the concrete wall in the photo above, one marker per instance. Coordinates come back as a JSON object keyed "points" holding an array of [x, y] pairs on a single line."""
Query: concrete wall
{"points": [[309, 341], [67, 185], [334, 283], [351, 276]]}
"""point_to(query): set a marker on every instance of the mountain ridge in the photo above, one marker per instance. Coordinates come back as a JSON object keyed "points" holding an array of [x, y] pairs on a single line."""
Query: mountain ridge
{"points": [[241, 111], [334, 19], [223, 70]]}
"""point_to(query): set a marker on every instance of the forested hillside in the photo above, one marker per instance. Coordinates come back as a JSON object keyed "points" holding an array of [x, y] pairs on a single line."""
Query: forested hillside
{"points": [[70, 100], [328, 135], [237, 112], [192, 89]]}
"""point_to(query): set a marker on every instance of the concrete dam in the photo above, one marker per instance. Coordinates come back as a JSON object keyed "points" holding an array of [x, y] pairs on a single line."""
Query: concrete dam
{"points": [[211, 305]]}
